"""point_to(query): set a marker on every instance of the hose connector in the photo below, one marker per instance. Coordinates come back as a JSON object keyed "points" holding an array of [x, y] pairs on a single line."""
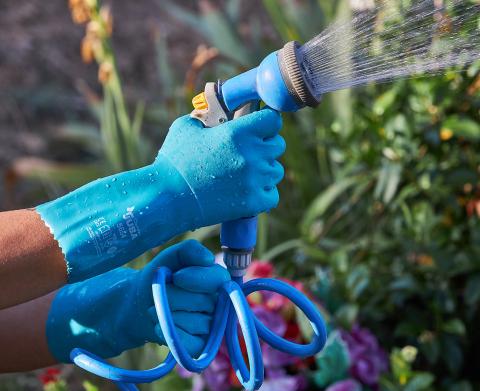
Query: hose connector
{"points": [[237, 261]]}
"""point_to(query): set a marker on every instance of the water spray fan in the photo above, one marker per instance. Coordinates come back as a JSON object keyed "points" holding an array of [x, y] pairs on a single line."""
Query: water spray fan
{"points": [[281, 81]]}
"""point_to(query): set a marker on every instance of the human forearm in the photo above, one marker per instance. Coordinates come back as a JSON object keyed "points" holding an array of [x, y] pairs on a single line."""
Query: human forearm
{"points": [[23, 338], [31, 263]]}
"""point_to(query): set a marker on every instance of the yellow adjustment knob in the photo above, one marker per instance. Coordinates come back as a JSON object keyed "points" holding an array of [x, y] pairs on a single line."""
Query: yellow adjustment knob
{"points": [[200, 102]]}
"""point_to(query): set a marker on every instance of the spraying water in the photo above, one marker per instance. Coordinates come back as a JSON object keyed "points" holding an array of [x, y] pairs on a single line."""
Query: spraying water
{"points": [[393, 40]]}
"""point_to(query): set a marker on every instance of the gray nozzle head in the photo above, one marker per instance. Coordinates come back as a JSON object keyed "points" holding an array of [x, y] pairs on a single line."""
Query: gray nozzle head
{"points": [[294, 76]]}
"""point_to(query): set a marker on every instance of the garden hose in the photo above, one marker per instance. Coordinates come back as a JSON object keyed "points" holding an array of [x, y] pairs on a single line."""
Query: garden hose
{"points": [[281, 84], [231, 306]]}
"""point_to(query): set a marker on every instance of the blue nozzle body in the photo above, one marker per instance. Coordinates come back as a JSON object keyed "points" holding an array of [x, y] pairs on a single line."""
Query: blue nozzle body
{"points": [[264, 83], [239, 234]]}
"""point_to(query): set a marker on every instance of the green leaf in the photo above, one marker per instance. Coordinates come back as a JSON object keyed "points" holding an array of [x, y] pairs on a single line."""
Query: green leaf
{"points": [[400, 367], [70, 175], [431, 350], [452, 353], [83, 134], [332, 362], [305, 324], [406, 282], [183, 15], [165, 71], [385, 101], [461, 386], [357, 281], [88, 386], [454, 326], [224, 37], [347, 314], [281, 249], [388, 181], [232, 9], [472, 290], [420, 381], [285, 29], [320, 204]]}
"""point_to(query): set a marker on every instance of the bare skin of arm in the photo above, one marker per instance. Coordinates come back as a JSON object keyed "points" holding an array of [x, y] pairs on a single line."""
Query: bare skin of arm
{"points": [[23, 336], [31, 262]]}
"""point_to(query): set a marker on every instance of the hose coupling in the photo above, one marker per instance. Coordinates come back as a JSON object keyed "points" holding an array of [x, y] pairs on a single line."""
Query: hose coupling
{"points": [[237, 261]]}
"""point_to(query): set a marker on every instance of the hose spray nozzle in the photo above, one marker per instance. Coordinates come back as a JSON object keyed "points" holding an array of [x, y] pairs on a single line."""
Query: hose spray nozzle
{"points": [[280, 81]]}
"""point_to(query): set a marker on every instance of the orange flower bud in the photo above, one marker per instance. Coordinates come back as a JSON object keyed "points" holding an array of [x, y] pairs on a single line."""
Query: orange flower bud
{"points": [[105, 72], [87, 50], [446, 134], [80, 11], [94, 29]]}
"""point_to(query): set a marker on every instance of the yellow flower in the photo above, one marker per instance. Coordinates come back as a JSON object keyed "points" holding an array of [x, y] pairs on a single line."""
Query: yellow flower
{"points": [[446, 134], [402, 379], [409, 353], [105, 72]]}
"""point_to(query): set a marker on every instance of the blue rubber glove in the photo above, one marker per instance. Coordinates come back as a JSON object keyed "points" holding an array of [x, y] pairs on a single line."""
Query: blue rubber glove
{"points": [[201, 176], [114, 312]]}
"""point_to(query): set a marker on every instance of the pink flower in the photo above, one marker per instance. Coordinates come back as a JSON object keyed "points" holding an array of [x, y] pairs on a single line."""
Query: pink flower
{"points": [[259, 269]]}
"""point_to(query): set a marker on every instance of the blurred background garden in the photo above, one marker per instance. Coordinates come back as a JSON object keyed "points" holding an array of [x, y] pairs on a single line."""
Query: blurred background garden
{"points": [[379, 213]]}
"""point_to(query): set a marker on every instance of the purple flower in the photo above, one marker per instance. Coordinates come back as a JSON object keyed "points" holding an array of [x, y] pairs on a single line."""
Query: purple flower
{"points": [[345, 385], [273, 358], [368, 359], [198, 384], [278, 379], [217, 375], [271, 320]]}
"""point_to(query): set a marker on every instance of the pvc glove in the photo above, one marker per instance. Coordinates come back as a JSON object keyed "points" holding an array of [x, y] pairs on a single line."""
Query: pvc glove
{"points": [[113, 312], [201, 176]]}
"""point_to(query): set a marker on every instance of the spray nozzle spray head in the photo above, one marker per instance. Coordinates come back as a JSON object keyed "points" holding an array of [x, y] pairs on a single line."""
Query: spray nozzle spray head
{"points": [[281, 81], [295, 76]]}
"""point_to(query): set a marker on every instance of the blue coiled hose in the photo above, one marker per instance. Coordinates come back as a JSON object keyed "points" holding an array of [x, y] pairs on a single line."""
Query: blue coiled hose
{"points": [[232, 307]]}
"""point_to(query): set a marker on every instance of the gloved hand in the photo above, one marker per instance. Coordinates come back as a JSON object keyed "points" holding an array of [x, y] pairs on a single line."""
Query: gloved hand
{"points": [[201, 176], [114, 312]]}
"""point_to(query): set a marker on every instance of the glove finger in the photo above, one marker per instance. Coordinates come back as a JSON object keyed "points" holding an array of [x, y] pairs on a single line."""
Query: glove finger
{"points": [[195, 323], [193, 343], [201, 279], [274, 147], [184, 121], [272, 172], [186, 253], [263, 124], [185, 300], [268, 199]]}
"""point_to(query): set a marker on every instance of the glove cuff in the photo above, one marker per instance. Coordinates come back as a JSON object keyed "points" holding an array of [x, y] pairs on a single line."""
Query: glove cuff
{"points": [[112, 220]]}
